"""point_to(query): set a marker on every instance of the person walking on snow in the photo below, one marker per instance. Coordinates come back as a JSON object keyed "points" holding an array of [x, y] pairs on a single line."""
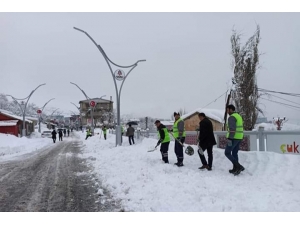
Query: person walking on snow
{"points": [[164, 140], [60, 134], [130, 134], [206, 140], [104, 129], [68, 132], [235, 134], [54, 135], [179, 134]]}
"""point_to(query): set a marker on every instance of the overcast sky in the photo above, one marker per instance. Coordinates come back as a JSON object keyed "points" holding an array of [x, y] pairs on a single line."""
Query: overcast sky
{"points": [[188, 58]]}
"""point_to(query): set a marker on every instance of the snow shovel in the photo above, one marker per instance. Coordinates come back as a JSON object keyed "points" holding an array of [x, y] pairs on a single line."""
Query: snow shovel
{"points": [[200, 150], [152, 150], [188, 150]]}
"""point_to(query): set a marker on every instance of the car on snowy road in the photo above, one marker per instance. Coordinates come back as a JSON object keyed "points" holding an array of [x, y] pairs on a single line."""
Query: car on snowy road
{"points": [[46, 133]]}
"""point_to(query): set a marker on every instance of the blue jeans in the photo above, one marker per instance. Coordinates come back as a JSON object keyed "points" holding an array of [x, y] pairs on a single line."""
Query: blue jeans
{"points": [[231, 152]]}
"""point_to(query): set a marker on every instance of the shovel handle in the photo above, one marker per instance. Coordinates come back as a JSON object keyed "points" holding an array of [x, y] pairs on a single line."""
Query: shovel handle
{"points": [[176, 139]]}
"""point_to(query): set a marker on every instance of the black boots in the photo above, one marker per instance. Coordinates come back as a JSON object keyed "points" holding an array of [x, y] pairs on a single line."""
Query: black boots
{"points": [[205, 167], [233, 169], [237, 169], [179, 164]]}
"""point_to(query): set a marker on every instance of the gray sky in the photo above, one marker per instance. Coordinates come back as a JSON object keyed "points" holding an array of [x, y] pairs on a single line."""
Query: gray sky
{"points": [[188, 58]]}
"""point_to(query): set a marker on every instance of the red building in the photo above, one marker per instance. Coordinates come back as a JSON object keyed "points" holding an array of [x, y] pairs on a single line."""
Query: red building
{"points": [[12, 124]]}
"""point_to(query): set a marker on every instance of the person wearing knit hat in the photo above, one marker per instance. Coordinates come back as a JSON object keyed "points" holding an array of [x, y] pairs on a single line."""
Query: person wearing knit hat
{"points": [[179, 134]]}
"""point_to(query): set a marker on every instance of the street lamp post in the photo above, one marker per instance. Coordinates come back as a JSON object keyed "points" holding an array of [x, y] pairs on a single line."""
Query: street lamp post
{"points": [[42, 112], [23, 109], [118, 92]]}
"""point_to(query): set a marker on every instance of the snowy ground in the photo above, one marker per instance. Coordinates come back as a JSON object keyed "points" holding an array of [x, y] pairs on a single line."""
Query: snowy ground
{"points": [[270, 183]]}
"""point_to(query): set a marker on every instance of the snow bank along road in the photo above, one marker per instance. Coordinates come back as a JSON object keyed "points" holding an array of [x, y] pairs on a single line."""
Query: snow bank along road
{"points": [[54, 179]]}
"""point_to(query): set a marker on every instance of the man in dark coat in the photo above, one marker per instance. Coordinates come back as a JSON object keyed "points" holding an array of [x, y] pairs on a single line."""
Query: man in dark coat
{"points": [[54, 135], [130, 134], [206, 140], [60, 134]]}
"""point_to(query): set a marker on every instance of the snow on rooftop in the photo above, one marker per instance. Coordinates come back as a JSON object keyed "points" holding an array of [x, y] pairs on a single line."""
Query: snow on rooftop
{"points": [[216, 114], [6, 123], [167, 123], [10, 114]]}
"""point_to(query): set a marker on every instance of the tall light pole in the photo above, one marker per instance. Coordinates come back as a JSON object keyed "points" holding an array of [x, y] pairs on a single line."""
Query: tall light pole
{"points": [[117, 75], [89, 99], [42, 112], [23, 110]]}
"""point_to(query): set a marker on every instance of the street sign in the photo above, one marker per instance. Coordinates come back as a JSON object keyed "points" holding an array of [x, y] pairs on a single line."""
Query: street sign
{"points": [[92, 103], [119, 74], [39, 111]]}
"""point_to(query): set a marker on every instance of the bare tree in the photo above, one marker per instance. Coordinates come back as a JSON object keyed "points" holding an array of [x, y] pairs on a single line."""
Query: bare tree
{"points": [[245, 64]]}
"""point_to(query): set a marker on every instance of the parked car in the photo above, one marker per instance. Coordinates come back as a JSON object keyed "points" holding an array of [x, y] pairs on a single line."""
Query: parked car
{"points": [[47, 133]]}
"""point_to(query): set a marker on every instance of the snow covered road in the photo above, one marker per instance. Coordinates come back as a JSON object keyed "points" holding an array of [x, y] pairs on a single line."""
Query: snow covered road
{"points": [[54, 179]]}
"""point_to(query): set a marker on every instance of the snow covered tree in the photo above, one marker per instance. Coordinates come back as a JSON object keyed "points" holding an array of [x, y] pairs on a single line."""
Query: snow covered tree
{"points": [[4, 103], [14, 108], [245, 64]]}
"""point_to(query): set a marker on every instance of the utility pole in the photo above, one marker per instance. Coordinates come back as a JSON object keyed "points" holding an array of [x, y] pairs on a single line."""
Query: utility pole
{"points": [[225, 114]]}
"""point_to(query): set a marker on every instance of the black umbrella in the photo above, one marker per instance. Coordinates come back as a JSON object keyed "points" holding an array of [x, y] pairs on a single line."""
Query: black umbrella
{"points": [[132, 123]]}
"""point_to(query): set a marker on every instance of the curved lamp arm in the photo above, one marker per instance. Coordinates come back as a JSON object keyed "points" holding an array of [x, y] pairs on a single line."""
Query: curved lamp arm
{"points": [[87, 97], [46, 104]]}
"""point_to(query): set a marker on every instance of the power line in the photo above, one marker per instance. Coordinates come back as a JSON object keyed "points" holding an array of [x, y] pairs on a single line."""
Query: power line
{"points": [[215, 99], [278, 92], [284, 99], [282, 104]]}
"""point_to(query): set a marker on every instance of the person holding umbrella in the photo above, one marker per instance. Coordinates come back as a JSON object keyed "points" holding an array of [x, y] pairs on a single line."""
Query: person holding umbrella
{"points": [[130, 134]]}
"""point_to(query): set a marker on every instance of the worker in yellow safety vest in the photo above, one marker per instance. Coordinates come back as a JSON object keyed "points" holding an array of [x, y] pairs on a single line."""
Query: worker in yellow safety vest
{"points": [[163, 141], [179, 135], [235, 134]]}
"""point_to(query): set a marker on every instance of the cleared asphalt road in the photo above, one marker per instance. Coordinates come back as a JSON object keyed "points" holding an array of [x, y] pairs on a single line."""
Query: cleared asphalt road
{"points": [[53, 180]]}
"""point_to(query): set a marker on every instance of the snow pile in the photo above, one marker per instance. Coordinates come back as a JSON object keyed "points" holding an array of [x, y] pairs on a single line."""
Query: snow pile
{"points": [[273, 127], [11, 146], [145, 183]]}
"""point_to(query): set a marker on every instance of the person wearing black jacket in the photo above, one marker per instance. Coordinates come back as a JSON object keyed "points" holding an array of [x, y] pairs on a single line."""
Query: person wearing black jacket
{"points": [[60, 135], [206, 140], [164, 140], [54, 135]]}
